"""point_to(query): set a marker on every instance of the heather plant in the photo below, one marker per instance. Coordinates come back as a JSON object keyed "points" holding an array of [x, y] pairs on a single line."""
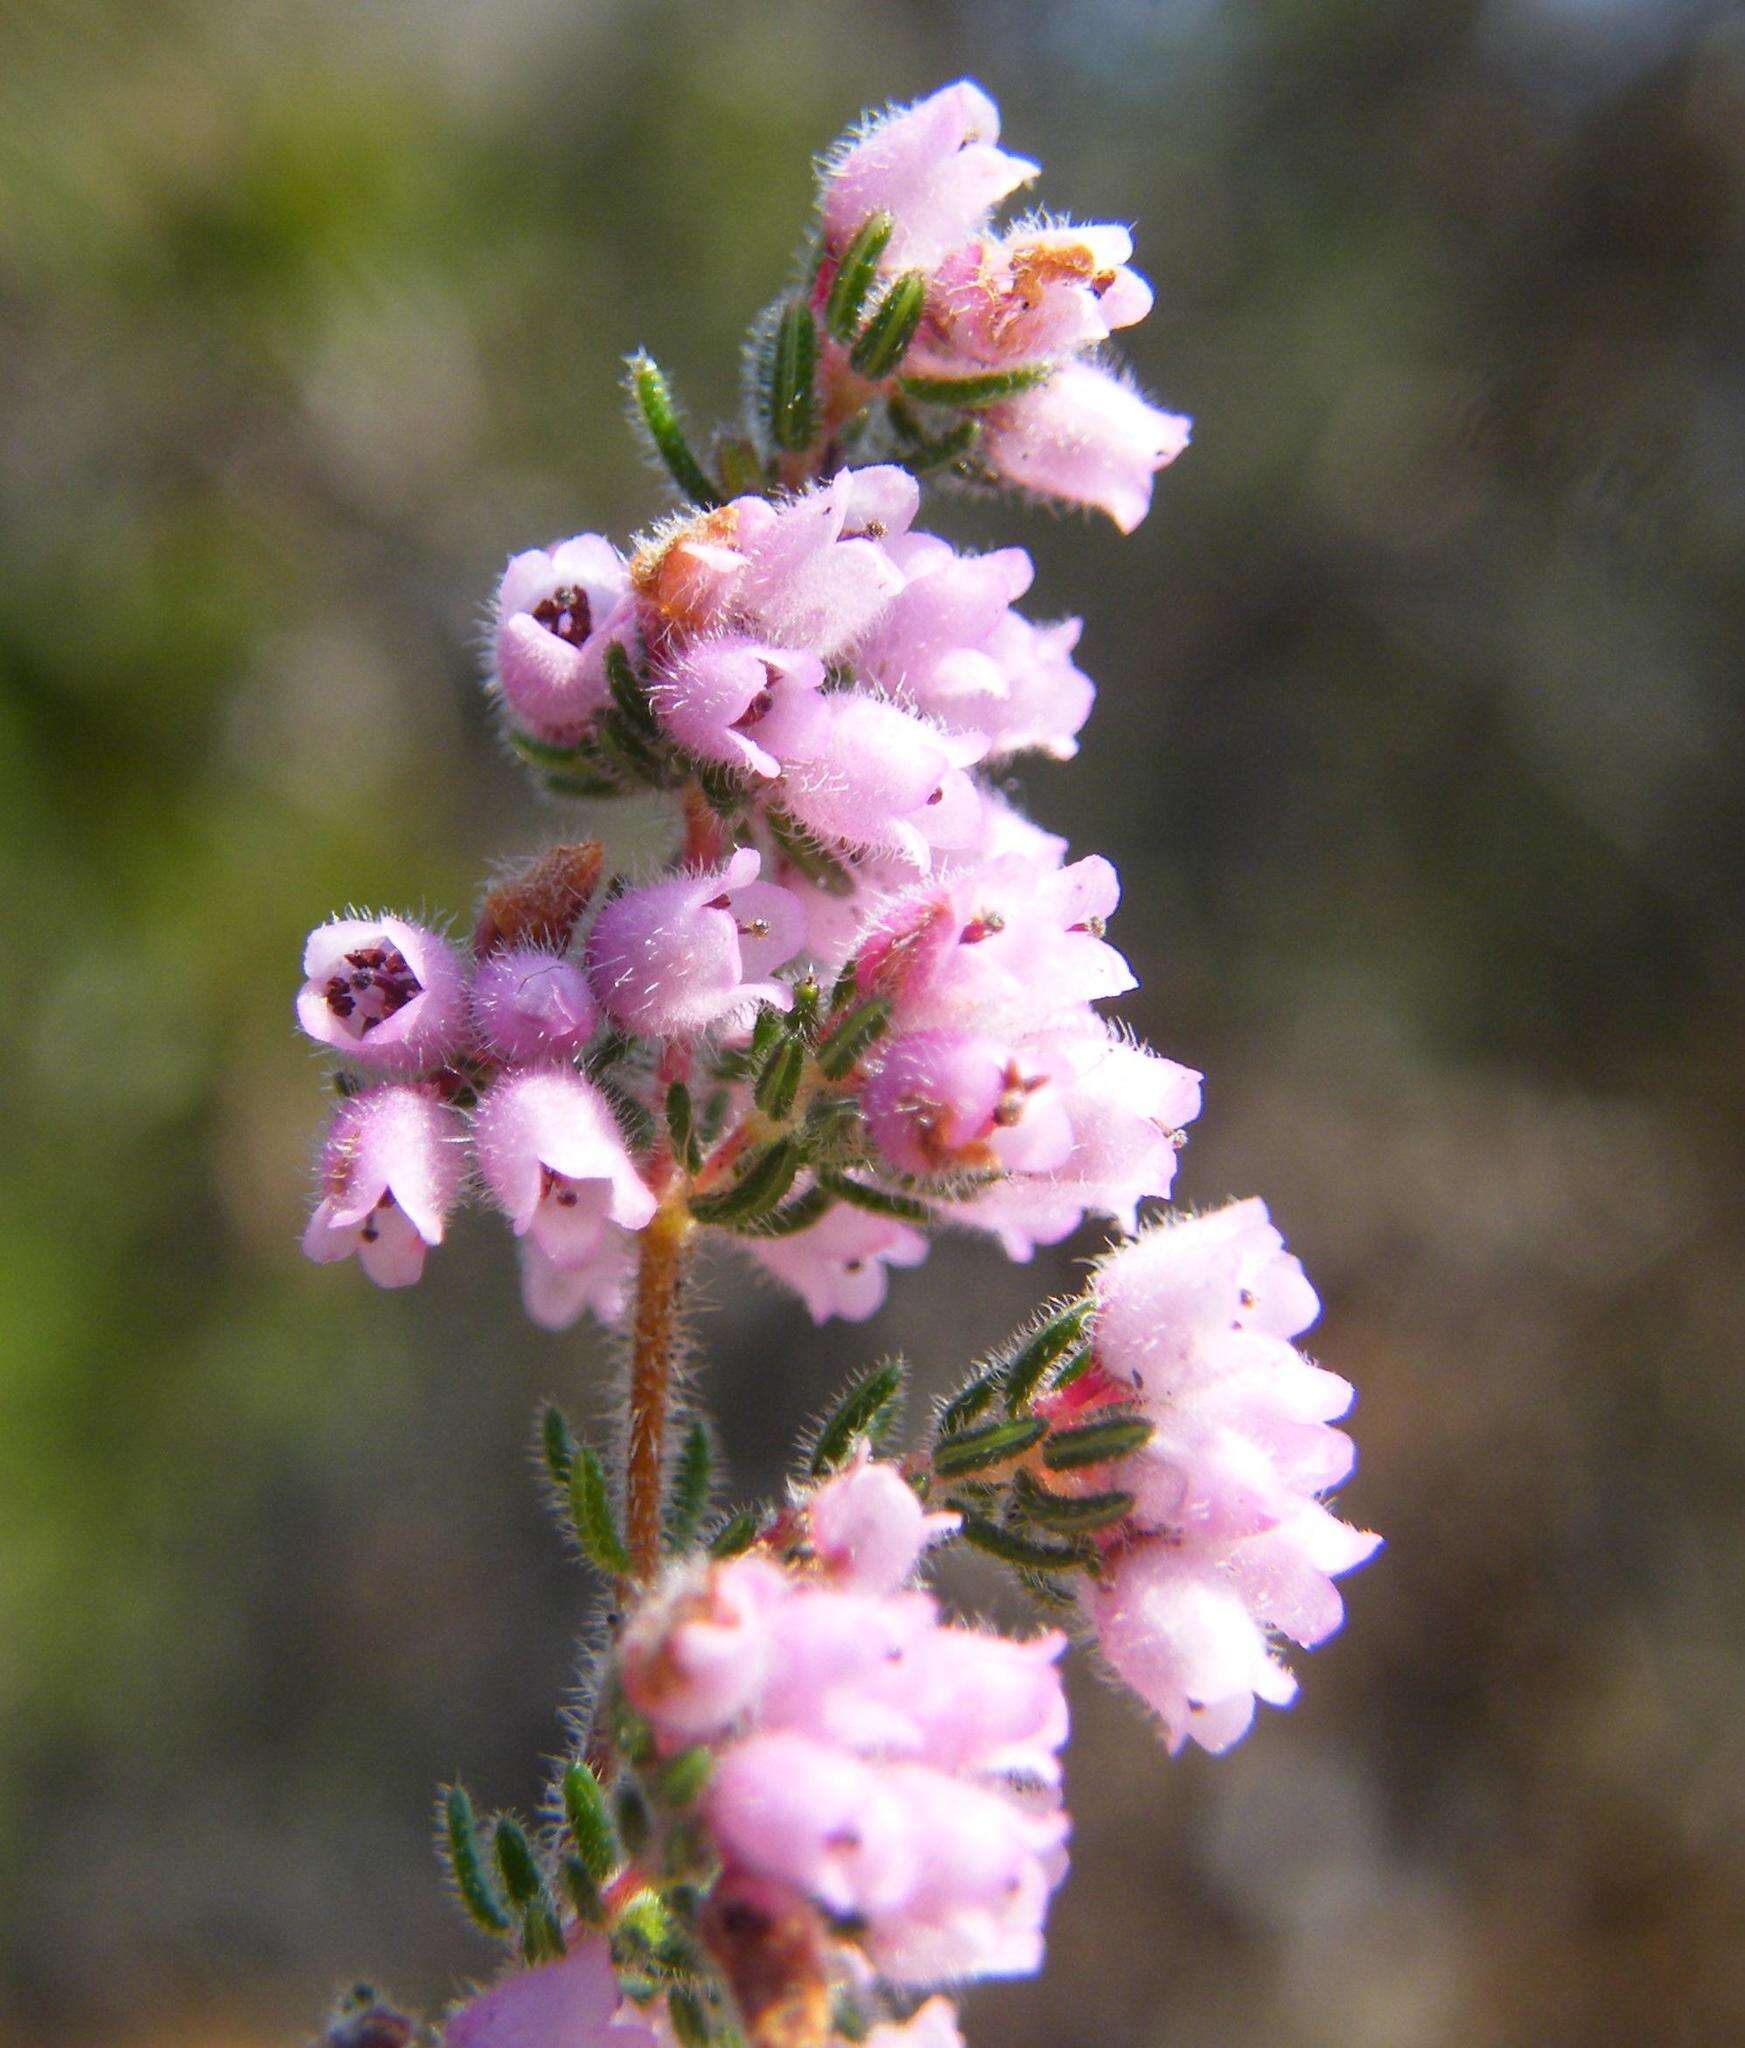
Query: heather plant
{"points": [[859, 1004]]}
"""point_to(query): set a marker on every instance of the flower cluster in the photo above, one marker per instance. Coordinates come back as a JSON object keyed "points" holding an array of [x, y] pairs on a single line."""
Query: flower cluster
{"points": [[1225, 1536], [864, 999], [1010, 317], [872, 1764]]}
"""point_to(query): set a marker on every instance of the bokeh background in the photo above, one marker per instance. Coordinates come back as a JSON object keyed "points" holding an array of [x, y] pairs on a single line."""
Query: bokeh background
{"points": [[1419, 749]]}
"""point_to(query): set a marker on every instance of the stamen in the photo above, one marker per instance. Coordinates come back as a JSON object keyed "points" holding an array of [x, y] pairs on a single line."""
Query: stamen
{"points": [[377, 982], [566, 615]]}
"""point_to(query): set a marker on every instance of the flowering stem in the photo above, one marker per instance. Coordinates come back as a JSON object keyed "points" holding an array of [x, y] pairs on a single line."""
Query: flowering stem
{"points": [[654, 1346]]}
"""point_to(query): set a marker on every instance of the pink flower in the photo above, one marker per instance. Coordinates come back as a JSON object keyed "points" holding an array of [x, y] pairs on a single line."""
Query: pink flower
{"points": [[987, 1865], [1228, 1538], [868, 1528], [556, 1296], [950, 645], [572, 2003], [741, 703], [868, 1754], [816, 574], [811, 573], [682, 956], [1196, 1316], [391, 1170], [553, 1158], [838, 1266], [528, 1003], [1171, 1624], [1005, 941], [1035, 295], [975, 1701], [1086, 437], [884, 781], [813, 1816], [932, 166], [942, 1100], [1125, 1107], [558, 610], [1042, 698], [698, 1655], [383, 991]]}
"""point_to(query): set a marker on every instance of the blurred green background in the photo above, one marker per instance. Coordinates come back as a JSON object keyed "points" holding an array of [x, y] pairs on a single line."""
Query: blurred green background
{"points": [[1412, 749]]}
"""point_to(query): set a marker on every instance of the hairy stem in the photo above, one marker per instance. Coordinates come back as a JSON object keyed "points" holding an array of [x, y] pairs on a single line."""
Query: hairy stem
{"points": [[653, 1361]]}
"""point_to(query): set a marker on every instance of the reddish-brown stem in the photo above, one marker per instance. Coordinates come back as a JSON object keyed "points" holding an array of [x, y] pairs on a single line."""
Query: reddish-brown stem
{"points": [[653, 1361]]}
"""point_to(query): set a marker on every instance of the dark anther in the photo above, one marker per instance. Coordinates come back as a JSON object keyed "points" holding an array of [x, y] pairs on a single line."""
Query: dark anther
{"points": [[565, 613]]}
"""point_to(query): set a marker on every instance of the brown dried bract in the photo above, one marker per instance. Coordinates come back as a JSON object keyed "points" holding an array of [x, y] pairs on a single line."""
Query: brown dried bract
{"points": [[775, 1963], [542, 906]]}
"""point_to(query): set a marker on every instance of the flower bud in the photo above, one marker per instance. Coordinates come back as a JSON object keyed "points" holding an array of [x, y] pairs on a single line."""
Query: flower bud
{"points": [[529, 1003], [867, 1527]]}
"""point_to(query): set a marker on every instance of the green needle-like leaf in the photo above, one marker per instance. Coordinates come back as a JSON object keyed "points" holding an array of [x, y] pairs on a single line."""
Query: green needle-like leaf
{"points": [[654, 404], [884, 341], [866, 1409], [466, 1863], [591, 1511], [855, 276], [793, 367]]}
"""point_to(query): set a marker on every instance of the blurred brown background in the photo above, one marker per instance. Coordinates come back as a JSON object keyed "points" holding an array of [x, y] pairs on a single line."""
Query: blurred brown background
{"points": [[1419, 750]]}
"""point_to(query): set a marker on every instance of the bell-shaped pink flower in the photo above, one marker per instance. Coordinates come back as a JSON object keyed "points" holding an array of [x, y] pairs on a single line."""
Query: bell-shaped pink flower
{"points": [[817, 574], [980, 1897], [838, 1267], [554, 1160], [813, 1816], [574, 2002], [1126, 1107], [885, 781], [932, 166], [742, 703], [1158, 1298], [1042, 697], [558, 610], [383, 991], [556, 1296], [682, 956], [1177, 1631], [391, 1170], [1035, 295], [951, 646], [944, 1100], [529, 1003], [1086, 437], [1006, 942], [868, 1528]]}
